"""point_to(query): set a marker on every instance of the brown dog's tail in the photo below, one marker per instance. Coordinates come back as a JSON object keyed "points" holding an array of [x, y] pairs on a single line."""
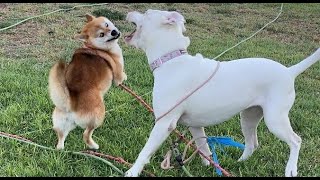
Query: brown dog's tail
{"points": [[58, 89]]}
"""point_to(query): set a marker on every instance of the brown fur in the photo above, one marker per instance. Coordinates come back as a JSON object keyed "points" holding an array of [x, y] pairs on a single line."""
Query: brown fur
{"points": [[77, 88], [88, 76]]}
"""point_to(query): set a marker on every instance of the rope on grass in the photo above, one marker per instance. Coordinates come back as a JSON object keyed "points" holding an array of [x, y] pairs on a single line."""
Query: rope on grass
{"points": [[252, 34], [20, 139], [45, 14], [134, 99]]}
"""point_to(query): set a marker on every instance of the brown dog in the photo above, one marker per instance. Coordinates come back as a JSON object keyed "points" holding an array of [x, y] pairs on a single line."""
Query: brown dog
{"points": [[77, 89]]}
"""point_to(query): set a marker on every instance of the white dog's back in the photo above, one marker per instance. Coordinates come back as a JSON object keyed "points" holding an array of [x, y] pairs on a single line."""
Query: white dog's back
{"points": [[233, 81]]}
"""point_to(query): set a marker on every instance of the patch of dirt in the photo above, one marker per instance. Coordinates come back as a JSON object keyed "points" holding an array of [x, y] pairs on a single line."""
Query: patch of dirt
{"points": [[294, 31], [22, 38]]}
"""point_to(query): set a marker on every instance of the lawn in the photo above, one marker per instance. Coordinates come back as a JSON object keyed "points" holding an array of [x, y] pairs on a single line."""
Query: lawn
{"points": [[28, 51]]}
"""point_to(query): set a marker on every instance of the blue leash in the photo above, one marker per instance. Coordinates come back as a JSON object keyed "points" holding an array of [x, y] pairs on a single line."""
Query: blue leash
{"points": [[221, 141]]}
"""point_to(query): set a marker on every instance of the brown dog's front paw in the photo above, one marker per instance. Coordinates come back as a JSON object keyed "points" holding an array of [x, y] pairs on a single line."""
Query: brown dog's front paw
{"points": [[124, 75], [123, 78]]}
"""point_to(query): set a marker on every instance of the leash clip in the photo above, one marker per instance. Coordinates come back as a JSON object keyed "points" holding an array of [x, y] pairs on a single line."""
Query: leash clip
{"points": [[177, 153]]}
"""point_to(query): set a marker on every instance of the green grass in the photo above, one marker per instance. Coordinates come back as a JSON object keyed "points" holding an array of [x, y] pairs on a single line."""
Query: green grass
{"points": [[29, 50], [114, 15]]}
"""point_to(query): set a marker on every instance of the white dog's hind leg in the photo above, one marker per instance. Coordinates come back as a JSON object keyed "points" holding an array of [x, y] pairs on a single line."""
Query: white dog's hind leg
{"points": [[277, 120], [250, 119], [159, 134], [201, 143]]}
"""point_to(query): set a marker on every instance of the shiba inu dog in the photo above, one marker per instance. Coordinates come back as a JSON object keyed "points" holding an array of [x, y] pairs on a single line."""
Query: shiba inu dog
{"points": [[77, 88]]}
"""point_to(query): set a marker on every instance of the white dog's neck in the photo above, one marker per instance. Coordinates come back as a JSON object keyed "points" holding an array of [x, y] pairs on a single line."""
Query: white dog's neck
{"points": [[164, 46]]}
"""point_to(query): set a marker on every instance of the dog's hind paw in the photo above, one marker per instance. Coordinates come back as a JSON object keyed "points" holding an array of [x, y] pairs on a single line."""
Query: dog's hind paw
{"points": [[93, 146], [291, 171], [60, 146], [246, 153], [129, 173], [205, 162]]}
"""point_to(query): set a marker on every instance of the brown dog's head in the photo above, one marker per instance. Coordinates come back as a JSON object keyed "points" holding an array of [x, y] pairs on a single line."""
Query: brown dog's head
{"points": [[99, 33]]}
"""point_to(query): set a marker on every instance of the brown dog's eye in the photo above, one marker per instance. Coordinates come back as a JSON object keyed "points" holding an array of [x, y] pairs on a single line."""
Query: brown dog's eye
{"points": [[107, 25], [101, 34]]}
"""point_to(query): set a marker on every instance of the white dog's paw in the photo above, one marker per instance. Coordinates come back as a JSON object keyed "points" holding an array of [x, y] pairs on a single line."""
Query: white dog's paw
{"points": [[130, 173], [60, 146], [205, 162], [244, 157], [291, 171], [240, 159], [246, 153]]}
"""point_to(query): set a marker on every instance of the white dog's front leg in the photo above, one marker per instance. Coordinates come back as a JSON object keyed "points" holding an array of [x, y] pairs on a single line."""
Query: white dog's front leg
{"points": [[159, 134]]}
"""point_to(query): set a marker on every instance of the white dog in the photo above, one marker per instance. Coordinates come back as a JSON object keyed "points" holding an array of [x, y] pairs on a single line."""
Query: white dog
{"points": [[255, 87]]}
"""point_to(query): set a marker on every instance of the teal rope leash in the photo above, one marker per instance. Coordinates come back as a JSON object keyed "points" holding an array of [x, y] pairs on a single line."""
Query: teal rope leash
{"points": [[220, 142]]}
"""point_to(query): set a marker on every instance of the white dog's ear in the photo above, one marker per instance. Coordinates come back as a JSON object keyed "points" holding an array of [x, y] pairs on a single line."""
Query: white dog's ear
{"points": [[174, 18], [81, 37]]}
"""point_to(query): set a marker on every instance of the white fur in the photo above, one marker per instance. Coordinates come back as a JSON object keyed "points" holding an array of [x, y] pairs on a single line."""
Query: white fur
{"points": [[253, 87]]}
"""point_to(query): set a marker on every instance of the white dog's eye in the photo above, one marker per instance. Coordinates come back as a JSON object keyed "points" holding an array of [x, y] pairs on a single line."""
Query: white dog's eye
{"points": [[107, 25], [101, 34]]}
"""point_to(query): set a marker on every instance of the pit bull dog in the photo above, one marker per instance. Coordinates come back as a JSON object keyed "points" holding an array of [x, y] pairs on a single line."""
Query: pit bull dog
{"points": [[253, 87]]}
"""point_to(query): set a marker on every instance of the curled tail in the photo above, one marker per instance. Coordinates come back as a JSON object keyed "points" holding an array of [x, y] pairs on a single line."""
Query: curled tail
{"points": [[58, 89], [305, 64]]}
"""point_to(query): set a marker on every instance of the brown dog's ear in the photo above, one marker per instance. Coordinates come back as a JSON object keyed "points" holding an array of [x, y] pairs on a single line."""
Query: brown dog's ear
{"points": [[81, 37], [89, 17]]}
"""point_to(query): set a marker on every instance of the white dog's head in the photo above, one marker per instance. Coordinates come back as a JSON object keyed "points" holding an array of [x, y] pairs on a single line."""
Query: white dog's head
{"points": [[156, 29]]}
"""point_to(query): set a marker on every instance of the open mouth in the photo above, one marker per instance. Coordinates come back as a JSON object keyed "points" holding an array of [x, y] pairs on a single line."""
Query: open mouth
{"points": [[114, 38], [129, 37]]}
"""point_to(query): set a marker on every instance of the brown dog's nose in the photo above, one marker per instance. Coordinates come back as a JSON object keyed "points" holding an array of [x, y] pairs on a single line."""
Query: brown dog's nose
{"points": [[114, 33]]}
